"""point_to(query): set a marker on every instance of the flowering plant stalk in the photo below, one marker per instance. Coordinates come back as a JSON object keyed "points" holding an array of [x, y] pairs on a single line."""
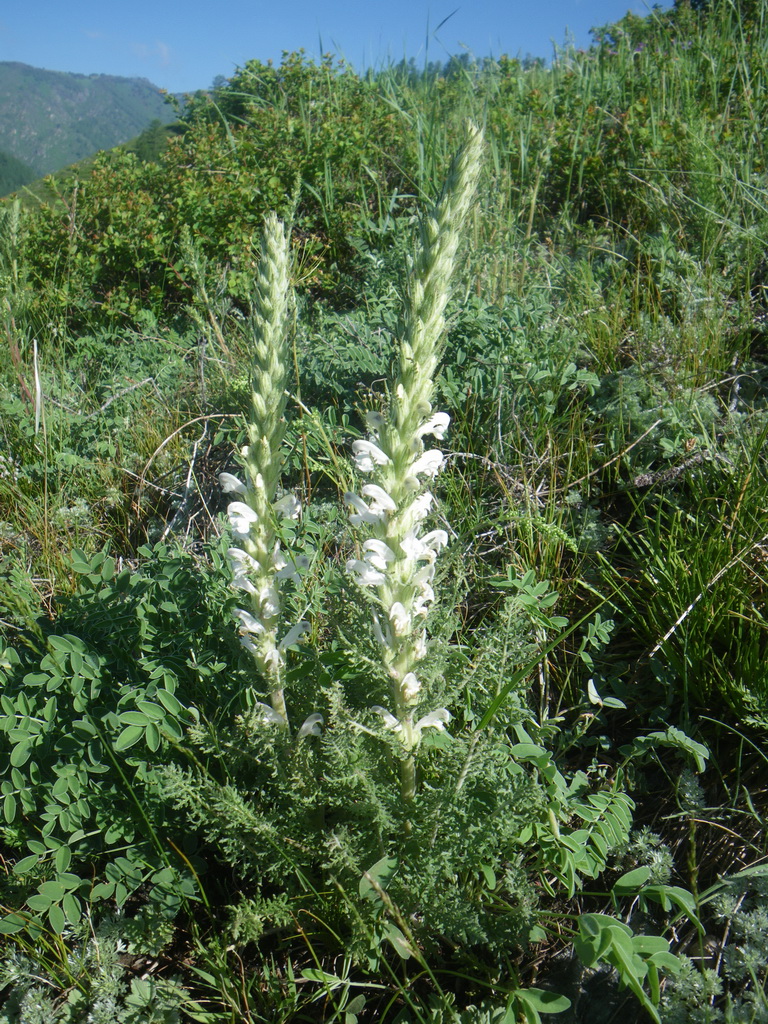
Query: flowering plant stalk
{"points": [[259, 566], [398, 560]]}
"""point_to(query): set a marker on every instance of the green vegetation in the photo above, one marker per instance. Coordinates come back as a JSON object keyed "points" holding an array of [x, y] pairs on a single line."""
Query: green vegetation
{"points": [[316, 708], [13, 174]]}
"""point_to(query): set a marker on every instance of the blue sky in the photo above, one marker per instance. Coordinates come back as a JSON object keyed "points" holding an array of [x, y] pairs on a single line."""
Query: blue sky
{"points": [[182, 45]]}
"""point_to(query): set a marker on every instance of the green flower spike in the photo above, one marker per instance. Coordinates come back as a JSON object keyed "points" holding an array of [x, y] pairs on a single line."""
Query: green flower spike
{"points": [[259, 566]]}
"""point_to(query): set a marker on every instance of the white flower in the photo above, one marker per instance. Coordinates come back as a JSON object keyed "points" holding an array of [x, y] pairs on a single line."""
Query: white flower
{"points": [[400, 619], [312, 726], [389, 719], [368, 455], [429, 463], [380, 500], [410, 687], [248, 622], [241, 516], [230, 483], [269, 600], [294, 635], [363, 513], [366, 575], [378, 554], [419, 507], [436, 426], [240, 561], [288, 507], [425, 575], [384, 636], [434, 720], [420, 648], [285, 569], [426, 596], [269, 716], [435, 540], [273, 659], [240, 582]]}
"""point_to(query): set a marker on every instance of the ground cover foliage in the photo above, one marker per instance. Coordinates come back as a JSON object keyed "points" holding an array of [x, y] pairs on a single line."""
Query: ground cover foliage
{"points": [[560, 808]]}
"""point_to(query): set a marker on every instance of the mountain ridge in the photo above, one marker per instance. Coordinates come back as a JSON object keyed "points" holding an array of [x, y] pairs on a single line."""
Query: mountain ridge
{"points": [[51, 119]]}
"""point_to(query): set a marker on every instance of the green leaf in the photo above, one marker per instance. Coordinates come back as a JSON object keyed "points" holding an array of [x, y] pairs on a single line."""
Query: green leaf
{"points": [[543, 1001], [400, 944], [26, 864], [9, 808], [133, 718], [60, 643], [57, 919], [649, 945], [632, 880], [62, 859], [12, 924], [20, 754], [53, 890], [169, 702], [377, 877], [314, 974], [152, 711], [38, 903], [128, 737], [102, 891], [527, 751], [72, 908], [153, 737], [80, 566]]}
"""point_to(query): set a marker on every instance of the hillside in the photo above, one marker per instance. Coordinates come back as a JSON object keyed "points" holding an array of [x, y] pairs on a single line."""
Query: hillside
{"points": [[13, 173], [49, 119]]}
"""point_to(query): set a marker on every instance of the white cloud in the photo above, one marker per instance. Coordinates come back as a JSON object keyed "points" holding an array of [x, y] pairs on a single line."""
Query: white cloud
{"points": [[158, 52]]}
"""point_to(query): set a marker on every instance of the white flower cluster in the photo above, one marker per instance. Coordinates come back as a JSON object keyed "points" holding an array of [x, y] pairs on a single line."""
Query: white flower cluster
{"points": [[398, 560], [260, 574]]}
